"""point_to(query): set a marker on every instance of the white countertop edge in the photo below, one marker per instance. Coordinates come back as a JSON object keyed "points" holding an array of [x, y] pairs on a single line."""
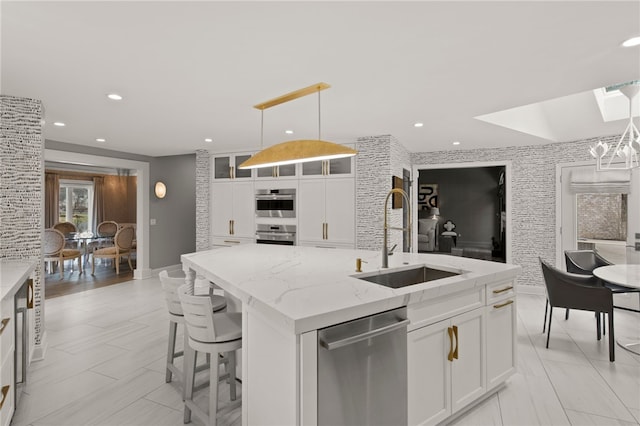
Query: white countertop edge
{"points": [[12, 274]]}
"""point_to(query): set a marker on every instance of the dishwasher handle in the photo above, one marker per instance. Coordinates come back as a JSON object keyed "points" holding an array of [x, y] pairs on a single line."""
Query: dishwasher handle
{"points": [[331, 345]]}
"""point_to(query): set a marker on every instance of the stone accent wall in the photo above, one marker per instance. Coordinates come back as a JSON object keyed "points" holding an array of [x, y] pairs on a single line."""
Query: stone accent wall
{"points": [[373, 181], [533, 194], [602, 216], [203, 181], [22, 189]]}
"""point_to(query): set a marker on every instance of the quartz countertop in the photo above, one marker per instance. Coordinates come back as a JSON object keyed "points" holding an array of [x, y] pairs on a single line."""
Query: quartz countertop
{"points": [[13, 273], [306, 288]]}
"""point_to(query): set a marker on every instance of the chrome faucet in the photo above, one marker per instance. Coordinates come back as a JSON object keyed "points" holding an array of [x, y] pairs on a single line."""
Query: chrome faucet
{"points": [[385, 250]]}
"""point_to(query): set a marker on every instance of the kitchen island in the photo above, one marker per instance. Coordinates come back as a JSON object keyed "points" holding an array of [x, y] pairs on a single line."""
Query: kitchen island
{"points": [[288, 293]]}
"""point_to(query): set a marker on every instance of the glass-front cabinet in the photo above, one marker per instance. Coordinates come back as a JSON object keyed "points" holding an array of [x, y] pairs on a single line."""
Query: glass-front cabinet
{"points": [[226, 167], [338, 166], [288, 170]]}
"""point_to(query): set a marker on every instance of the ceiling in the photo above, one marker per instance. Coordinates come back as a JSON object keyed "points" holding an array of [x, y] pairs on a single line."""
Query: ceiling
{"points": [[193, 70]]}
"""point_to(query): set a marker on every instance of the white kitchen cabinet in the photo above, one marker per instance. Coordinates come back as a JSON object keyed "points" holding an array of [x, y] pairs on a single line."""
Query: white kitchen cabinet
{"points": [[232, 211], [501, 344], [326, 215], [7, 362], [225, 167], [446, 367]]}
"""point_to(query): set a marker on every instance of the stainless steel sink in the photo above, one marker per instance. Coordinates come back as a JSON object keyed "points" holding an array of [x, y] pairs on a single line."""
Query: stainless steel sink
{"points": [[405, 277]]}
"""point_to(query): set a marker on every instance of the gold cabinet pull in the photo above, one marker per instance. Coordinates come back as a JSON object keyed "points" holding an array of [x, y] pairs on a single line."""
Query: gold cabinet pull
{"points": [[327, 233], [502, 305], [233, 172], [4, 323], [233, 227], [450, 356], [230, 227], [232, 242], [503, 290], [5, 391], [455, 333], [30, 294]]}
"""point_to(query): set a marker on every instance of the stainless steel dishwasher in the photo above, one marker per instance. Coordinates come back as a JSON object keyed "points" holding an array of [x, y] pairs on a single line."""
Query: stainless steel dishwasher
{"points": [[362, 371]]}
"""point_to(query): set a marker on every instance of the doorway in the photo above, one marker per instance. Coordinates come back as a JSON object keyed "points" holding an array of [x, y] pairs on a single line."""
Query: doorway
{"points": [[477, 224]]}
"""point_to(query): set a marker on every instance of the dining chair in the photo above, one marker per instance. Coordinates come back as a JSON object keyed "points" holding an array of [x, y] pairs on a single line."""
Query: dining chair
{"points": [[170, 286], [121, 248], [211, 333], [582, 292], [54, 251], [67, 228]]}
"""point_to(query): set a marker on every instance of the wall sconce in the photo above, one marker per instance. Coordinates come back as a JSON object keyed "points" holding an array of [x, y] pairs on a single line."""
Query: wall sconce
{"points": [[160, 189]]}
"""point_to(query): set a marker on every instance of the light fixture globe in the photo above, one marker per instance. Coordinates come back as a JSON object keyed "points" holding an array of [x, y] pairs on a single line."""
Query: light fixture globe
{"points": [[160, 189]]}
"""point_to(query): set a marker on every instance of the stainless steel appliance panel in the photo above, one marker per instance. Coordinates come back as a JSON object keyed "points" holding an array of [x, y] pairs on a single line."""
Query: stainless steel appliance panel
{"points": [[362, 371], [276, 234], [276, 203]]}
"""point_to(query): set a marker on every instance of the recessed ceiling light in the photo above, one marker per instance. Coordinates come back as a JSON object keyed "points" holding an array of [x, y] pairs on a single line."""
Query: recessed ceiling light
{"points": [[59, 124], [456, 143], [208, 140], [418, 124], [101, 140], [289, 132], [633, 41], [114, 97]]}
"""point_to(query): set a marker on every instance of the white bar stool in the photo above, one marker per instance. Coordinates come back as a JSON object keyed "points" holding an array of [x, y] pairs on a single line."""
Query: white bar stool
{"points": [[211, 333], [170, 286]]}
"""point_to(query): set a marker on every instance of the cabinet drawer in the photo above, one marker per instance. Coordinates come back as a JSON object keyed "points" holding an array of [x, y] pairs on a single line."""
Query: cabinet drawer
{"points": [[7, 324], [7, 391], [230, 241], [500, 290], [431, 311]]}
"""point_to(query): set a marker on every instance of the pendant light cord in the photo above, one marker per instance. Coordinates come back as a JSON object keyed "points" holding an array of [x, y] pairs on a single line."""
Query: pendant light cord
{"points": [[319, 127]]}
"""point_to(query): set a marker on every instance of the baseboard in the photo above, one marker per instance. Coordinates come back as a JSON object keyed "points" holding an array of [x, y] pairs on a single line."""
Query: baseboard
{"points": [[37, 354], [141, 274], [531, 289]]}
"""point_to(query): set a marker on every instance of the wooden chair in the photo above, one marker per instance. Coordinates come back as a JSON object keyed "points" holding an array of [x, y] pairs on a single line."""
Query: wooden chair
{"points": [[211, 333], [121, 247], [54, 251], [67, 228], [104, 229], [170, 287], [583, 292]]}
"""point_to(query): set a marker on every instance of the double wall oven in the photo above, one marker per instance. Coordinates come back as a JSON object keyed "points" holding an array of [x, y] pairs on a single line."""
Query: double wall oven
{"points": [[280, 204]]}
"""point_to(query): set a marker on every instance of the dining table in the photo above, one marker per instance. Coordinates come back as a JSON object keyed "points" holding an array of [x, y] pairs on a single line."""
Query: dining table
{"points": [[627, 275], [85, 238]]}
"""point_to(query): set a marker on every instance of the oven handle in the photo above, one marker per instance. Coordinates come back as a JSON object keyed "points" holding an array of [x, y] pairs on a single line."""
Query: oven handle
{"points": [[274, 197], [275, 234]]}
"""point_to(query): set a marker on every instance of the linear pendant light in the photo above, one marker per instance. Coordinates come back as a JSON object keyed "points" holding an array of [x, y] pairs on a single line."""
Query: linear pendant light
{"points": [[297, 151]]}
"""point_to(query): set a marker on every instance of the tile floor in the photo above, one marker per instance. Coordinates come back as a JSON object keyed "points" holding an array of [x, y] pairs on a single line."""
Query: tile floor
{"points": [[105, 366]]}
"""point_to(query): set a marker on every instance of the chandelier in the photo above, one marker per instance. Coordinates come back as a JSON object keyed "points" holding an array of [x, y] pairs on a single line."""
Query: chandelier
{"points": [[626, 152]]}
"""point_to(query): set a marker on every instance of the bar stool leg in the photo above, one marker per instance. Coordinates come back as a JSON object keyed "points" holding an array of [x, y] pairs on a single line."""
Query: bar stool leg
{"points": [[173, 327], [213, 392], [232, 374], [189, 374]]}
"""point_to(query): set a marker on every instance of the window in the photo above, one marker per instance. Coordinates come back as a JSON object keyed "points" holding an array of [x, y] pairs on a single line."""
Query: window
{"points": [[76, 203]]}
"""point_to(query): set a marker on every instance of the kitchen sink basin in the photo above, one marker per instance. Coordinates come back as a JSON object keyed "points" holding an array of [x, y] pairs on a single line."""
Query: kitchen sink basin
{"points": [[405, 277]]}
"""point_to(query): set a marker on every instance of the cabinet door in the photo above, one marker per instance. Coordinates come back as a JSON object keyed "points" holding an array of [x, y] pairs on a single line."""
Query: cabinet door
{"points": [[429, 374], [340, 210], [244, 209], [311, 215], [221, 208], [341, 166], [313, 168], [501, 343], [468, 370], [241, 173], [222, 167]]}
